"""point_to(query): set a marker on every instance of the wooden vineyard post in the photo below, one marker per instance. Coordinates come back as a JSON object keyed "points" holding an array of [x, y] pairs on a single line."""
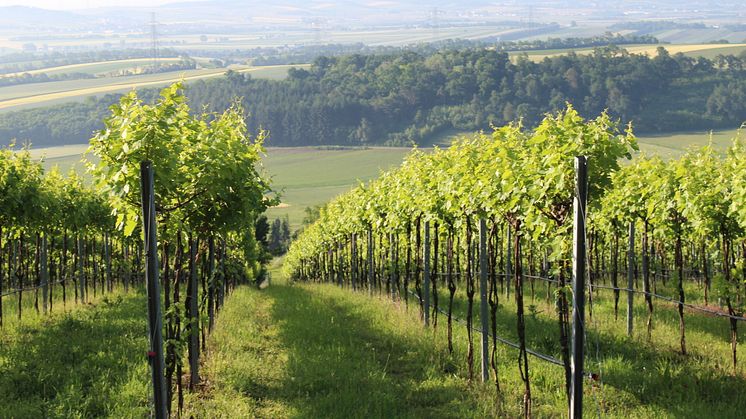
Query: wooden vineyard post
{"points": [[107, 251], [578, 285], [508, 266], [44, 274], [340, 266], [223, 276], [393, 285], [426, 275], [81, 275], [1, 276], [371, 262], [155, 321], [630, 276], [127, 266], [210, 283], [353, 260], [483, 299], [193, 314]]}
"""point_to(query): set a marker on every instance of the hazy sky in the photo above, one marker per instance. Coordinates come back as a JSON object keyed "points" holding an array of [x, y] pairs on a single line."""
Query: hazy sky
{"points": [[83, 4]]}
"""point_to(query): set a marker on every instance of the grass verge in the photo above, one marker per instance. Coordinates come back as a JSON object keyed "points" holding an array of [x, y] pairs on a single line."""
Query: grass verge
{"points": [[85, 361]]}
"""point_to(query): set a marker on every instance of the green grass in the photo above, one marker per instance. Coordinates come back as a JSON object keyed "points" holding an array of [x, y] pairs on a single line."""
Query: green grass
{"points": [[675, 145], [304, 350], [81, 361], [317, 350], [309, 176], [297, 351]]}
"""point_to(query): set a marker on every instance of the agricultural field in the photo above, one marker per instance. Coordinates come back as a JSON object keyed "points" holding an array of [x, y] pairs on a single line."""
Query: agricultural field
{"points": [[692, 50], [274, 37], [690, 36], [309, 176], [674, 145], [65, 158], [41, 94], [96, 68]]}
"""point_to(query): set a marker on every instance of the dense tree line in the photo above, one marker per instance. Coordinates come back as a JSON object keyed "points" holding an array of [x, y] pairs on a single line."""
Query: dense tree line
{"points": [[565, 43], [69, 123], [404, 98], [409, 97]]}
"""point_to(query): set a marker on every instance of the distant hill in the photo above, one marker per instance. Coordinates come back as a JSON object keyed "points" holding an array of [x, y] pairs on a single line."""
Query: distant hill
{"points": [[29, 17]]}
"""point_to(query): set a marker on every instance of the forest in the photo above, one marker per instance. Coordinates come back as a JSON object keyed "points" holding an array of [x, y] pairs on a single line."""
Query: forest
{"points": [[408, 98]]}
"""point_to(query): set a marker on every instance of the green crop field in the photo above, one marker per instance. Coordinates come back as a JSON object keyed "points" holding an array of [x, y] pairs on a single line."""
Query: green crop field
{"points": [[674, 145], [309, 176], [724, 50], [100, 67], [65, 158]]}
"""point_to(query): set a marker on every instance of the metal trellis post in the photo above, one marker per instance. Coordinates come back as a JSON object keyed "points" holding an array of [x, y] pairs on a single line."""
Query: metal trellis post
{"points": [[578, 285], [155, 321]]}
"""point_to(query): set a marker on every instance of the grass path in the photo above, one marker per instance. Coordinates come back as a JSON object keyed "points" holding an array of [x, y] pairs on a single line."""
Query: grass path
{"points": [[318, 351], [321, 351]]}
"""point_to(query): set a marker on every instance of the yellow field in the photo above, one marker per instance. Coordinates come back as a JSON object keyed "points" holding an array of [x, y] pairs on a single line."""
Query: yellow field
{"points": [[74, 150], [687, 49], [29, 97]]}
